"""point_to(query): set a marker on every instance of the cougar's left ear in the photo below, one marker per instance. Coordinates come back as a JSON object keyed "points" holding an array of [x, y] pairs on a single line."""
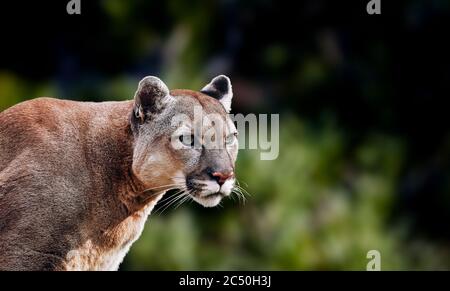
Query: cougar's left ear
{"points": [[221, 89], [151, 97]]}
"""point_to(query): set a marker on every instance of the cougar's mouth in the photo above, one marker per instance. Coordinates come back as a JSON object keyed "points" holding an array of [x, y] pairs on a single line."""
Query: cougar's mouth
{"points": [[205, 193]]}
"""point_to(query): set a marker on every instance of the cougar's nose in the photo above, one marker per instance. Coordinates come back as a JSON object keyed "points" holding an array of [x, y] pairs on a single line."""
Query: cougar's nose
{"points": [[221, 177]]}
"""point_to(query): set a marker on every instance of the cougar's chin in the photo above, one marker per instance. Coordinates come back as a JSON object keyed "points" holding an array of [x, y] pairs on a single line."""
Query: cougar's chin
{"points": [[205, 193], [210, 200]]}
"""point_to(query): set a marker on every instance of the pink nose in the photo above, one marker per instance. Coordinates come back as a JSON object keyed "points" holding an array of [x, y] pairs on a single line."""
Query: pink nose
{"points": [[222, 177]]}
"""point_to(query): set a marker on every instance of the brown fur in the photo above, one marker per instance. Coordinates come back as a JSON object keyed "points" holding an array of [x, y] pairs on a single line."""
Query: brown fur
{"points": [[84, 143]]}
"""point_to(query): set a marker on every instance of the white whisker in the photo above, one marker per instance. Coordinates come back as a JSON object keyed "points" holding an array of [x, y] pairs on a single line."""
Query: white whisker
{"points": [[180, 196]]}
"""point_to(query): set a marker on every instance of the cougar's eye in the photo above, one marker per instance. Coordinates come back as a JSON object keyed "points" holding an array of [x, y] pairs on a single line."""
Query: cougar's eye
{"points": [[187, 140], [231, 139]]}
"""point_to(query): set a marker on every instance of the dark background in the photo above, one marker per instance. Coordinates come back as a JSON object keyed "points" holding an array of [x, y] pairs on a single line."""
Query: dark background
{"points": [[364, 149]]}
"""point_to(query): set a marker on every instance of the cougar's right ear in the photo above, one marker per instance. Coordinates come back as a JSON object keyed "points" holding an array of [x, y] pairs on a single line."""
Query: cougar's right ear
{"points": [[151, 97]]}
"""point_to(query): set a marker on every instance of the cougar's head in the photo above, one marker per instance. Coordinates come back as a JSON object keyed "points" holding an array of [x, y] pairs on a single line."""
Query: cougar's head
{"points": [[185, 139]]}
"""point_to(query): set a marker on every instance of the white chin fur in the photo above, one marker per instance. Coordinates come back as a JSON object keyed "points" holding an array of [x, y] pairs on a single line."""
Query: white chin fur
{"points": [[211, 201]]}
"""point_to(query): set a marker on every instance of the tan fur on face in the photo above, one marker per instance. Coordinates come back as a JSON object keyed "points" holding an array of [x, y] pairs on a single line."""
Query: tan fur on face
{"points": [[158, 166]]}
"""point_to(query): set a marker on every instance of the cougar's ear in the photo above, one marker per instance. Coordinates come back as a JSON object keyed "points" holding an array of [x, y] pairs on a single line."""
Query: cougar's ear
{"points": [[221, 89], [151, 97]]}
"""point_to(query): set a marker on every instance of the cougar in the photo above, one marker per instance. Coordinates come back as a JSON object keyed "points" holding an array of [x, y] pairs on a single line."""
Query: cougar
{"points": [[79, 179]]}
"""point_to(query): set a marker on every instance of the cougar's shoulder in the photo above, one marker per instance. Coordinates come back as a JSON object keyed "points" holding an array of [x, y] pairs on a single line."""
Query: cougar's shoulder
{"points": [[54, 158]]}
